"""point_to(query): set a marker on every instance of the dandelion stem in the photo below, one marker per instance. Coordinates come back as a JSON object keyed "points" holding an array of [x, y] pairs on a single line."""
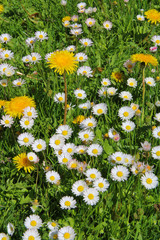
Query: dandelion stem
{"points": [[143, 94], [65, 107]]}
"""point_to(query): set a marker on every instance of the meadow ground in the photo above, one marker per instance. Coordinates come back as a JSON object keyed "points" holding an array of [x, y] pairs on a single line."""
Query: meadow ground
{"points": [[79, 136]]}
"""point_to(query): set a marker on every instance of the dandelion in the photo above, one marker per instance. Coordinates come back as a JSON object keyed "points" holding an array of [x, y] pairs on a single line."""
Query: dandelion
{"points": [[21, 161], [78, 119], [153, 16], [144, 58], [117, 76], [66, 18], [1, 10], [149, 180], [67, 202]]}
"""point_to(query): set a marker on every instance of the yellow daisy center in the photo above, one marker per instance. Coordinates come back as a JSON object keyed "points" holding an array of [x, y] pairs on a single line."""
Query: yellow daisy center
{"points": [[29, 114], [86, 135], [57, 142], [149, 180], [93, 175], [125, 114], [60, 99], [6, 121], [55, 236], [84, 72], [41, 36], [101, 185], [53, 224], [31, 238], [34, 58], [4, 84], [33, 223], [67, 203], [157, 41], [81, 151], [107, 25], [65, 160], [99, 111], [26, 122], [80, 189], [81, 58], [25, 140], [79, 94], [90, 23], [118, 158], [158, 153], [94, 151], [134, 108], [6, 55], [39, 146], [119, 173], [149, 82], [90, 124], [19, 83], [126, 97], [52, 178], [90, 196], [158, 134], [4, 238], [85, 43], [66, 235], [69, 150], [126, 160], [128, 127], [73, 165], [5, 38]]}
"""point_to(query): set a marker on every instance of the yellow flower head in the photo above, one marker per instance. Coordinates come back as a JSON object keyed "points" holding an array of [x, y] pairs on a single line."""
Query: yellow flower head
{"points": [[67, 18], [1, 8], [2, 102], [16, 106], [144, 58], [153, 16], [78, 119], [117, 76], [63, 61], [21, 161]]}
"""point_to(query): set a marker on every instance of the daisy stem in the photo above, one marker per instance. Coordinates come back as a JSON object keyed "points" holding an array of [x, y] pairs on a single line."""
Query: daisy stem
{"points": [[65, 108], [143, 95], [37, 180]]}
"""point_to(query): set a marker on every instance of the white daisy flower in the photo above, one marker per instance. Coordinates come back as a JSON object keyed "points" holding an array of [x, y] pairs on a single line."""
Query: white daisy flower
{"points": [[71, 48], [64, 158], [88, 123], [5, 38], [81, 57], [131, 82], [89, 10], [81, 167], [33, 222], [140, 18], [85, 71], [126, 96], [128, 126], [30, 41], [86, 42], [92, 174], [81, 149], [74, 18], [149, 180], [111, 91], [40, 35], [107, 25], [82, 10], [66, 23], [35, 57], [157, 103], [101, 184], [86, 105], [72, 164], [94, 150], [4, 83], [53, 177], [10, 229], [53, 235], [64, 130], [156, 132], [25, 139], [117, 157], [126, 113], [9, 71], [150, 81], [76, 25], [32, 157], [99, 109], [67, 202], [4, 236], [48, 55], [7, 54], [30, 112], [157, 117], [79, 187], [63, 2], [156, 152], [91, 196], [119, 173], [156, 40], [102, 92], [18, 82], [26, 123], [134, 106], [59, 97], [53, 225], [66, 233], [90, 22], [57, 141], [128, 159], [106, 82], [39, 145], [76, 31], [7, 121], [86, 135], [81, 5], [58, 152], [31, 234], [69, 148], [26, 59], [80, 94]]}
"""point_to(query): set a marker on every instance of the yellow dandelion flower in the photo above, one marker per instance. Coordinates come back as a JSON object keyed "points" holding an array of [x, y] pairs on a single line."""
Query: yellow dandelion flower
{"points": [[144, 58], [2, 102], [1, 8], [153, 16], [21, 161], [118, 76], [78, 119], [67, 18], [16, 106], [63, 61]]}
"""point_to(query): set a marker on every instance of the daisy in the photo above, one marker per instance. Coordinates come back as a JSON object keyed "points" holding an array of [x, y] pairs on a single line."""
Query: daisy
{"points": [[99, 109], [119, 173], [107, 25], [53, 235], [86, 105], [39, 145], [90, 22], [66, 233], [102, 92], [32, 157], [94, 150], [81, 57], [80, 94], [92, 174], [53, 177], [105, 82], [74, 18], [86, 135], [156, 40], [47, 56], [112, 132], [131, 82], [89, 10], [66, 23], [153, 49], [156, 132], [6, 121], [157, 103], [86, 42], [57, 141], [26, 123], [81, 149], [101, 184], [67, 202], [5, 38], [82, 10], [40, 35], [10, 229], [26, 59], [31, 234], [3, 67], [6, 54], [128, 159], [117, 157], [71, 48], [150, 81], [35, 57], [126, 96], [140, 18], [157, 117], [149, 180], [69, 148], [33, 222], [76, 31], [111, 91], [72, 164], [76, 25], [88, 123], [30, 112], [9, 71], [63, 2], [81, 5], [129, 65], [30, 41], [85, 71], [79, 187], [134, 106], [25, 139], [64, 130], [64, 158], [126, 113], [18, 82], [91, 196], [53, 225], [82, 167], [4, 83], [128, 126], [59, 97], [4, 236], [146, 146]]}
